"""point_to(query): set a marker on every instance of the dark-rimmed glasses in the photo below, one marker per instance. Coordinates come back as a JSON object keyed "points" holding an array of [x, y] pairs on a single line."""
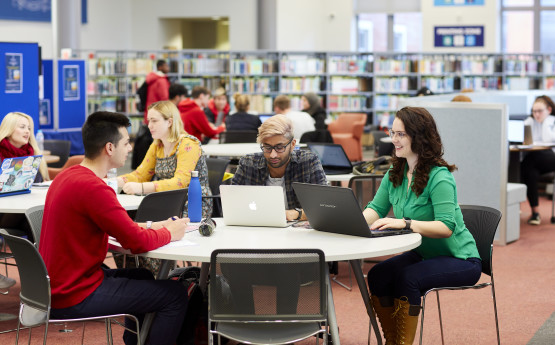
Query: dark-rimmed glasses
{"points": [[280, 148]]}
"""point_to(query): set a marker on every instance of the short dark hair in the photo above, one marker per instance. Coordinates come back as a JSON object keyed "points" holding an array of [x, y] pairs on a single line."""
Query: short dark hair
{"points": [[100, 128], [160, 63], [199, 90], [178, 90]]}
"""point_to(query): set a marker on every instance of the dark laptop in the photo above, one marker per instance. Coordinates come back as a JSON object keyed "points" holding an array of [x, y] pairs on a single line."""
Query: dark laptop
{"points": [[333, 158], [336, 209]]}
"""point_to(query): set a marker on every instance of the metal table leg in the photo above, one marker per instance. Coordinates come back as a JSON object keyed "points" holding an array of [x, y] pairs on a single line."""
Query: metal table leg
{"points": [[334, 330], [147, 322], [357, 270]]}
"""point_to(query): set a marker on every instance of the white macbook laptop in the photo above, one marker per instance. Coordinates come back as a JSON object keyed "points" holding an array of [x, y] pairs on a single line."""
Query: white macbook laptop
{"points": [[253, 205]]}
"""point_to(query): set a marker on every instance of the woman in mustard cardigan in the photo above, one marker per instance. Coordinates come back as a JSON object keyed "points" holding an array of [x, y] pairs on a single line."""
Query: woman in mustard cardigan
{"points": [[170, 159]]}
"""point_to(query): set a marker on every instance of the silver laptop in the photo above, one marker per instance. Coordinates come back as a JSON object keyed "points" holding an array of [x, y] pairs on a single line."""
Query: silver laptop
{"points": [[336, 209], [253, 205]]}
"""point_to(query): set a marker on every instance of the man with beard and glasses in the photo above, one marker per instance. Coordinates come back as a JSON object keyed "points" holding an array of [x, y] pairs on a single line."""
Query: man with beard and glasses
{"points": [[279, 164]]}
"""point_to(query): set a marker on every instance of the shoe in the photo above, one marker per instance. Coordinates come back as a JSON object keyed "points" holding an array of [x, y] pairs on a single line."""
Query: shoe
{"points": [[534, 219], [6, 282]]}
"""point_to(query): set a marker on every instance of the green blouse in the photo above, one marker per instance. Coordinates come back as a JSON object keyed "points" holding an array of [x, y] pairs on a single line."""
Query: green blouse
{"points": [[438, 201]]}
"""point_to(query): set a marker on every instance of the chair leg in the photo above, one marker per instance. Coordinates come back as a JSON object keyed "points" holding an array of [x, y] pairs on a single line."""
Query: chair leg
{"points": [[440, 321], [45, 333], [83, 334], [495, 310], [348, 287]]}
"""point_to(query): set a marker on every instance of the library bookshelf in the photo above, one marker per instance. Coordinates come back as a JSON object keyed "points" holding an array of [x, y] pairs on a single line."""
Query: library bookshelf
{"points": [[369, 82]]}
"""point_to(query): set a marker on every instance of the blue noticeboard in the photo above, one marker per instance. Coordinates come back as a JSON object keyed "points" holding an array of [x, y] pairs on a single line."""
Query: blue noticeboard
{"points": [[459, 36], [19, 79]]}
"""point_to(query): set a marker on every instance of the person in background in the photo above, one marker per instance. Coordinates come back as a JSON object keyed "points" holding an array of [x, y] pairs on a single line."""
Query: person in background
{"points": [[242, 120], [80, 199], [279, 164], [218, 108], [424, 91], [158, 85], [193, 117], [536, 163], [310, 103], [170, 159], [302, 122], [421, 189], [461, 98], [17, 139], [177, 93]]}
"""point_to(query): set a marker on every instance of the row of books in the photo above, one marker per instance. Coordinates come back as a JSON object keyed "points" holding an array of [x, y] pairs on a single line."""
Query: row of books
{"points": [[394, 66], [110, 66], [198, 66], [336, 65], [302, 65], [349, 102], [481, 83], [521, 83], [253, 85], [258, 66], [350, 84], [521, 66], [307, 84], [385, 102], [106, 87], [441, 85], [399, 84]]}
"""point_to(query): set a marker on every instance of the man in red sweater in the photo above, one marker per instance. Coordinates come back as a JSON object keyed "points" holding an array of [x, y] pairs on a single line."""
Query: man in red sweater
{"points": [[192, 114], [80, 212], [158, 85]]}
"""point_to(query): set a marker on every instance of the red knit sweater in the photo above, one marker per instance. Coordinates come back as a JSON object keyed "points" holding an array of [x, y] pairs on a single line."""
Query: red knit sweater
{"points": [[80, 212]]}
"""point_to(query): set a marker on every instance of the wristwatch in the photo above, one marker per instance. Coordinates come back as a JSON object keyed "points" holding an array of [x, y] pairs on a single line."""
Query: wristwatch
{"points": [[149, 224], [300, 213], [407, 222]]}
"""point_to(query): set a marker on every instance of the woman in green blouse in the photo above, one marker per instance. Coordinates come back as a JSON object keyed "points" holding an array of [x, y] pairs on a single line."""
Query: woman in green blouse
{"points": [[422, 192]]}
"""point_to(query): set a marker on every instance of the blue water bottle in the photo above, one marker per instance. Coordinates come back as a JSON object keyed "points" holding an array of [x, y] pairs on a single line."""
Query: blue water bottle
{"points": [[194, 206]]}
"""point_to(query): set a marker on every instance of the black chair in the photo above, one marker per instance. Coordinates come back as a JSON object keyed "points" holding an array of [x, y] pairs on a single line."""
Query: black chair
{"points": [[319, 136], [162, 205], [230, 137], [381, 148], [35, 304], [482, 223], [266, 323], [216, 171], [58, 148]]}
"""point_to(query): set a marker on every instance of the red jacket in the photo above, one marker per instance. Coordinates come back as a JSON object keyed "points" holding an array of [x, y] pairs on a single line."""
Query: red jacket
{"points": [[158, 89], [80, 212], [195, 120]]}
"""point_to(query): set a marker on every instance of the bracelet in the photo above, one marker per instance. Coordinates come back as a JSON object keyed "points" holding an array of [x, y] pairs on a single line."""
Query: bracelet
{"points": [[142, 189]]}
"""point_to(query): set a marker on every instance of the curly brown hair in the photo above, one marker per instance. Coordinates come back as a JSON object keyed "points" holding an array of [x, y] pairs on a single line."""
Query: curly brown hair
{"points": [[426, 143]]}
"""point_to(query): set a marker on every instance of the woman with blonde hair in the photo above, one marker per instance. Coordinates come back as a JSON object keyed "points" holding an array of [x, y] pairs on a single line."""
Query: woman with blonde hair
{"points": [[242, 120], [170, 159], [17, 139]]}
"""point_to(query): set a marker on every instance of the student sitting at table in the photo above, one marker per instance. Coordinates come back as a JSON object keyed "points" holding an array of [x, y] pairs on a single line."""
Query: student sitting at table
{"points": [[536, 163], [279, 164], [17, 139], [80, 212], [170, 159], [422, 192]]}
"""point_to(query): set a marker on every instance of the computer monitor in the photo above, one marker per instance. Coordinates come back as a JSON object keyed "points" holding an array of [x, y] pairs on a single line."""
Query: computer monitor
{"points": [[516, 132], [264, 117]]}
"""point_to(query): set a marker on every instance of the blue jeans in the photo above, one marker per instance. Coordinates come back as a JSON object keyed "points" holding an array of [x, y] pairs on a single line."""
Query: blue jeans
{"points": [[135, 292], [408, 275]]}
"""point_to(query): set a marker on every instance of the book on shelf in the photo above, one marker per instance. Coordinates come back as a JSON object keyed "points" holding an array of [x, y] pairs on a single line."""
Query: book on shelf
{"points": [[299, 64], [300, 84], [253, 85], [207, 65]]}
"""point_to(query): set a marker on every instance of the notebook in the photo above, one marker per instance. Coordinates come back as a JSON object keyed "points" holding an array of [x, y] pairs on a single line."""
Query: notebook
{"points": [[336, 209], [17, 174], [333, 158], [253, 205]]}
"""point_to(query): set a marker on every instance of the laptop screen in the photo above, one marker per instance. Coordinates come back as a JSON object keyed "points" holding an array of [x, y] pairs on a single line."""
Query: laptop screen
{"points": [[331, 155], [264, 117], [17, 174], [516, 131]]}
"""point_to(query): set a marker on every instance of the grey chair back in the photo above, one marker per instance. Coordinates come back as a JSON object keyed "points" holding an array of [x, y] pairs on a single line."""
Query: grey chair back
{"points": [[34, 217], [58, 148], [162, 205]]}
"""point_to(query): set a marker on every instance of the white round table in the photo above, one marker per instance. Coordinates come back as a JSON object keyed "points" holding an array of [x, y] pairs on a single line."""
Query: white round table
{"points": [[336, 247]]}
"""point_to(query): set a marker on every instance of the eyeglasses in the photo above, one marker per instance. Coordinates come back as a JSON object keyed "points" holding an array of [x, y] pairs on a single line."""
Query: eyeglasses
{"points": [[401, 135], [280, 148], [538, 111]]}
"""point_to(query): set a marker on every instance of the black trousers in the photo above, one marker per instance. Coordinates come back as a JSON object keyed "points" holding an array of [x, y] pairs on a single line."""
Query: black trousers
{"points": [[535, 164]]}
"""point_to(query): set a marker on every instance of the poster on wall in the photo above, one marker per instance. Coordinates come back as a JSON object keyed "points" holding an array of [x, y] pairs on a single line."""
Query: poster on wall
{"points": [[458, 36], [71, 82], [45, 118], [458, 2], [33, 10], [14, 73]]}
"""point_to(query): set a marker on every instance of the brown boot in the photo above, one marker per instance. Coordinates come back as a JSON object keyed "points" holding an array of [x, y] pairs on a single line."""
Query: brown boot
{"points": [[406, 316], [383, 306]]}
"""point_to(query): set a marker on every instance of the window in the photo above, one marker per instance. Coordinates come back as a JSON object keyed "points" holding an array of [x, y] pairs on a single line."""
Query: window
{"points": [[373, 32], [518, 31], [547, 31], [528, 26]]}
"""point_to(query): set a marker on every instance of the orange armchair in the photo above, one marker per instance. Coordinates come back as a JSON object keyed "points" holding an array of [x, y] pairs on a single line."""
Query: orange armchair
{"points": [[347, 130], [73, 160]]}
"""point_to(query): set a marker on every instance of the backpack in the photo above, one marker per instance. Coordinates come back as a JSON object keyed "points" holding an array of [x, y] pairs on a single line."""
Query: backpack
{"points": [[142, 93], [378, 166]]}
